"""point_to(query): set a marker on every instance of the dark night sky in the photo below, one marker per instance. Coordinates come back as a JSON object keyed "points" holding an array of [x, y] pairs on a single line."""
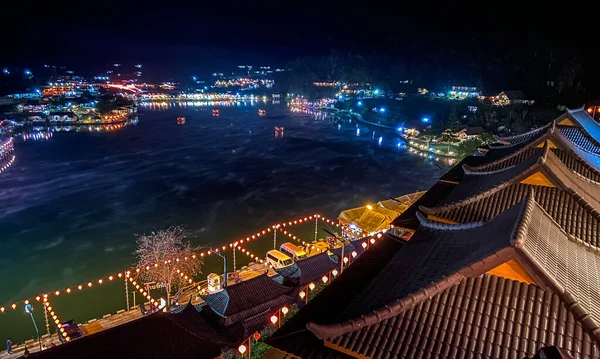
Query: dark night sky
{"points": [[182, 39]]}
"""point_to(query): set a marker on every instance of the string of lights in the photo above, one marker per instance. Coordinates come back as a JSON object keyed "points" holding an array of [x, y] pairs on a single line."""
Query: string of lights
{"points": [[54, 317], [110, 278]]}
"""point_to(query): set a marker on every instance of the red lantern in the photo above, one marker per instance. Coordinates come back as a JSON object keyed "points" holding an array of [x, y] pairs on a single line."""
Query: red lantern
{"points": [[256, 336]]}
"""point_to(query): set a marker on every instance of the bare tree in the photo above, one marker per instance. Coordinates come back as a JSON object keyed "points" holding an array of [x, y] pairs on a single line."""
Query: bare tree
{"points": [[168, 255]]}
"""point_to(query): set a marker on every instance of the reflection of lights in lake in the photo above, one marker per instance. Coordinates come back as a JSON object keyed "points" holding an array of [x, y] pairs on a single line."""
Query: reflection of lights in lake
{"points": [[358, 131], [380, 141]]}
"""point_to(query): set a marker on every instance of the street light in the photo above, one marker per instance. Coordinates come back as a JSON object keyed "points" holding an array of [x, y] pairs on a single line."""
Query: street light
{"points": [[29, 309]]}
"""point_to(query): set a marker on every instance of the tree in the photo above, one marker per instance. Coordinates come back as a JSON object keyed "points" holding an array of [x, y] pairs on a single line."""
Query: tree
{"points": [[168, 249]]}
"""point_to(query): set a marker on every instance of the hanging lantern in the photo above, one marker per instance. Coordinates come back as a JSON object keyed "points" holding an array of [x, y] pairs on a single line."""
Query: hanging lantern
{"points": [[242, 349], [334, 272], [256, 336], [354, 254], [324, 279], [302, 294], [364, 245], [274, 319], [311, 286], [285, 310]]}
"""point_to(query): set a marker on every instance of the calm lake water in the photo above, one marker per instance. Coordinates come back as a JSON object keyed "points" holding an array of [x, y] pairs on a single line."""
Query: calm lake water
{"points": [[71, 205]]}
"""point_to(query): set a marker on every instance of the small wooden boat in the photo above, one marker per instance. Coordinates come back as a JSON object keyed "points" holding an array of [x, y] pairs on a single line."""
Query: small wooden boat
{"points": [[262, 112], [180, 120], [215, 112], [279, 131]]}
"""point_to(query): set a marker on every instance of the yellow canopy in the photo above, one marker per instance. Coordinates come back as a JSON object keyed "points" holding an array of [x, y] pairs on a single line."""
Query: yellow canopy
{"points": [[375, 217]]}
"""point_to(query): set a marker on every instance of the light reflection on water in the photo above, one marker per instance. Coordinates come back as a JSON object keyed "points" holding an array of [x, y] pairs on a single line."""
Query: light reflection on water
{"points": [[72, 203]]}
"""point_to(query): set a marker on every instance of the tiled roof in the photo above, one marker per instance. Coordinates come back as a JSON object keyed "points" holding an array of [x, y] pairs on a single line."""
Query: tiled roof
{"points": [[580, 138], [570, 180], [477, 183], [435, 251], [566, 266], [577, 164], [441, 256], [245, 295], [505, 162], [483, 317], [570, 211], [217, 301], [335, 296], [408, 218], [159, 335], [525, 137], [584, 120], [315, 267]]}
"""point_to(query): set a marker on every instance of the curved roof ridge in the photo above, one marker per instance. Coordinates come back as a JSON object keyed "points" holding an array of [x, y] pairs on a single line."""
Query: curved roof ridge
{"points": [[481, 168], [325, 331], [572, 110], [520, 230], [491, 191], [553, 159], [469, 171], [559, 285], [445, 226], [532, 132]]}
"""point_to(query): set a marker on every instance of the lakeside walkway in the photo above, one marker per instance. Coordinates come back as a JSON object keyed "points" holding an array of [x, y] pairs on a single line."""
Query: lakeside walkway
{"points": [[108, 321]]}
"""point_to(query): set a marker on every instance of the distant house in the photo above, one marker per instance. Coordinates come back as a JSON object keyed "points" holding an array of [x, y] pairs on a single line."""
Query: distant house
{"points": [[506, 98], [62, 117], [464, 133]]}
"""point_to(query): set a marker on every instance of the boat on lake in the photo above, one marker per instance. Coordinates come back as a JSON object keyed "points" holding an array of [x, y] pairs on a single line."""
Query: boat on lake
{"points": [[180, 120], [215, 112], [262, 112]]}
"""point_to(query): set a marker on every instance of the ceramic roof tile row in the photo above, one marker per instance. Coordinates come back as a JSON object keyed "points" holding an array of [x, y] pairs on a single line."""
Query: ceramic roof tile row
{"points": [[577, 165], [587, 123], [160, 335], [525, 137], [483, 317], [507, 162], [476, 183], [572, 215], [580, 138], [336, 295], [573, 269], [454, 253], [429, 255], [315, 267]]}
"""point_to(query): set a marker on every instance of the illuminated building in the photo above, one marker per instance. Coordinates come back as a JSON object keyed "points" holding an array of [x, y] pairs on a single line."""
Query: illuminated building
{"points": [[462, 92], [503, 261], [507, 98]]}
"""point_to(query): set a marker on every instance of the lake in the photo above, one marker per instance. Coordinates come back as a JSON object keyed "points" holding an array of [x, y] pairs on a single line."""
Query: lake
{"points": [[73, 202]]}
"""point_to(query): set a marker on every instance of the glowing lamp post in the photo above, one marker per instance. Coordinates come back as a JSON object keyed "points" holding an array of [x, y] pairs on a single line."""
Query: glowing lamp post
{"points": [[29, 310]]}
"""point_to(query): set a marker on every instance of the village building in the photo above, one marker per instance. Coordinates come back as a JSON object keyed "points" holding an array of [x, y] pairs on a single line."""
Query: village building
{"points": [[507, 98]]}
